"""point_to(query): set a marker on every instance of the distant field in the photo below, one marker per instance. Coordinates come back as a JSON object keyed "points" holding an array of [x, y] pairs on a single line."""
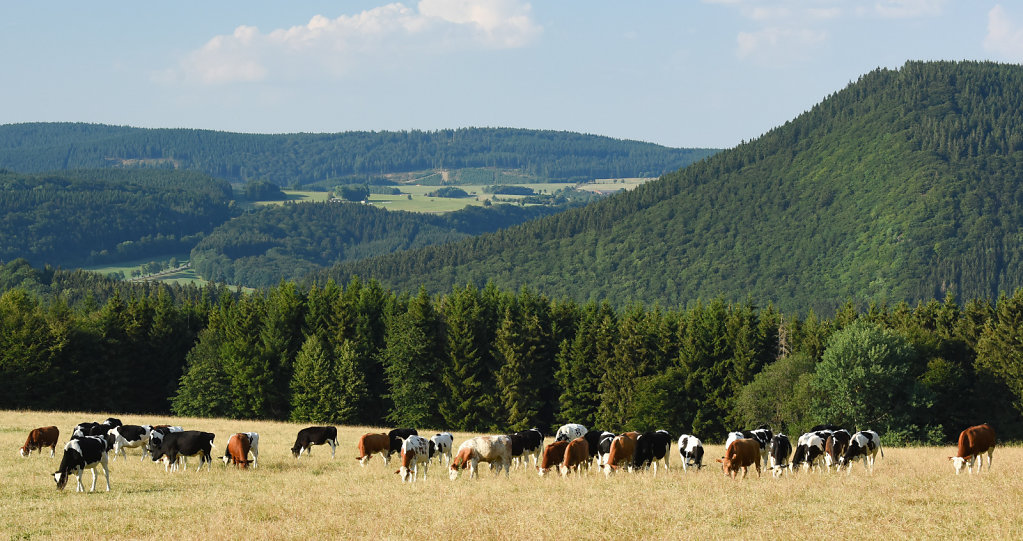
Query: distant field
{"points": [[613, 184], [913, 493]]}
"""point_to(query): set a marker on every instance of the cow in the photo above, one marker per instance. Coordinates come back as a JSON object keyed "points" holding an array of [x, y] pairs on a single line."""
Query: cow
{"points": [[518, 444], [740, 455], [532, 445], [129, 437], [156, 434], [809, 451], [603, 448], [374, 443], [864, 444], [495, 450], [443, 443], [38, 438], [973, 443], [623, 449], [315, 435], [593, 438], [253, 447], [577, 452], [89, 428], [762, 435], [652, 447], [181, 445], [238, 447], [80, 454], [781, 448], [553, 455], [835, 446], [414, 451], [570, 432], [397, 438], [690, 451]]}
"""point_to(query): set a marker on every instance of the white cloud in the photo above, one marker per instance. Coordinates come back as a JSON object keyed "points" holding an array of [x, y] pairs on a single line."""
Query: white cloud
{"points": [[907, 9], [778, 45], [1004, 36], [334, 47]]}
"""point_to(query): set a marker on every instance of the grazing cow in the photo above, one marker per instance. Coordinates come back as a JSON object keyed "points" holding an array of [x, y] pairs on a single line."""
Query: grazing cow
{"points": [[518, 444], [864, 444], [809, 451], [623, 449], [974, 442], [414, 451], [781, 448], [495, 450], [253, 447], [175, 445], [84, 453], [603, 447], [652, 447], [238, 447], [397, 438], [374, 443], [570, 432], [740, 455], [443, 443], [835, 446], [532, 445], [315, 435], [129, 437], [553, 455], [690, 450], [577, 452], [38, 438], [156, 434], [762, 435], [95, 429]]}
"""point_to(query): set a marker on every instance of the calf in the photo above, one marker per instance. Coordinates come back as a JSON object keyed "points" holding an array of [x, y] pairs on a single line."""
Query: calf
{"points": [[577, 452], [84, 453], [835, 446], [181, 445], [414, 451], [973, 443], [740, 455], [129, 437], [570, 432], [864, 444], [442, 445], [532, 445], [374, 443], [397, 438], [553, 455], [38, 438], [690, 450], [495, 450], [623, 449], [315, 435], [238, 447], [781, 448], [809, 451], [652, 447]]}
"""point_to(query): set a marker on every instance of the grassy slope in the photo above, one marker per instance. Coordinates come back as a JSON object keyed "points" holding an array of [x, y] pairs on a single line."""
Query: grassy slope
{"points": [[913, 492]]}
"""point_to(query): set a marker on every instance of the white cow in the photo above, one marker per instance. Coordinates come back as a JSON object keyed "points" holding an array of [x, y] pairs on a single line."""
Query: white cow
{"points": [[690, 449], [809, 451], [864, 444], [129, 437], [495, 450], [443, 443], [415, 450], [570, 432]]}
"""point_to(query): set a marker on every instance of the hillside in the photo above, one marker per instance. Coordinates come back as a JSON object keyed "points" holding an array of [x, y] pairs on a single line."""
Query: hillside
{"points": [[305, 158], [902, 186]]}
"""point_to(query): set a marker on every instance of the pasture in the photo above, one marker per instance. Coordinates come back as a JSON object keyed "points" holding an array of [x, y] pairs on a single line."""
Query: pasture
{"points": [[913, 493]]}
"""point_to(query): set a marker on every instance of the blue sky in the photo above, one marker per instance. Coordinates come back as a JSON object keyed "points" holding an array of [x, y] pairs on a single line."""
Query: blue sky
{"points": [[688, 73]]}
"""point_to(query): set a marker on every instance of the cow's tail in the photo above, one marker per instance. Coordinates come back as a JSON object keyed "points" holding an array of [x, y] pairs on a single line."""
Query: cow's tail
{"points": [[879, 448]]}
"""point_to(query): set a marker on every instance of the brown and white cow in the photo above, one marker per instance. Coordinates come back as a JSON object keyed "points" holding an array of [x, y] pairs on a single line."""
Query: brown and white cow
{"points": [[238, 447], [623, 449], [495, 450], [39, 438], [740, 455], [974, 442], [577, 452], [374, 443], [415, 450], [553, 455]]}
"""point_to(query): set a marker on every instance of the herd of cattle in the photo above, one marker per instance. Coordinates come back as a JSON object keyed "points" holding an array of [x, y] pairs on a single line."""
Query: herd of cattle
{"points": [[824, 447]]}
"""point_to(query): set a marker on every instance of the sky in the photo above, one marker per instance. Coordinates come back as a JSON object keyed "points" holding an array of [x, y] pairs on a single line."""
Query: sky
{"points": [[681, 73]]}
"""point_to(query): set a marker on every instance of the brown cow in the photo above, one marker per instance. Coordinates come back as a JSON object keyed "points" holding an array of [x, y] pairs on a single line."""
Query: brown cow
{"points": [[623, 449], [577, 452], [238, 450], [374, 443], [553, 455], [741, 454], [38, 438], [974, 442]]}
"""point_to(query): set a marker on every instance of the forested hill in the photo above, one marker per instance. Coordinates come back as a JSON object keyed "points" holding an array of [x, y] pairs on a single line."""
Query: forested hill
{"points": [[903, 186], [304, 158]]}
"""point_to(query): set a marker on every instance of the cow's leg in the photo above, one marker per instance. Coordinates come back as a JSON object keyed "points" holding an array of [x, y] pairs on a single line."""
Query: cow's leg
{"points": [[333, 447], [106, 472]]}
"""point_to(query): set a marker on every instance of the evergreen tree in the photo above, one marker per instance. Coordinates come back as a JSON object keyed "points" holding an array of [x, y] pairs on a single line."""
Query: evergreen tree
{"points": [[412, 361], [315, 387]]}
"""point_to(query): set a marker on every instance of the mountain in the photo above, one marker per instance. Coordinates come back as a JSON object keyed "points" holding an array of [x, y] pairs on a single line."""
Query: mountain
{"points": [[903, 186], [305, 158]]}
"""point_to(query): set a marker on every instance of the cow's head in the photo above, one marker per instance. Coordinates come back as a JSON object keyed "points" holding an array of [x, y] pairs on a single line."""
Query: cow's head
{"points": [[958, 462], [61, 479], [25, 451]]}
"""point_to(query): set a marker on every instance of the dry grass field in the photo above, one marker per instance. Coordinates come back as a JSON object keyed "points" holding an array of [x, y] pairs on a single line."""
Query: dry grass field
{"points": [[912, 494]]}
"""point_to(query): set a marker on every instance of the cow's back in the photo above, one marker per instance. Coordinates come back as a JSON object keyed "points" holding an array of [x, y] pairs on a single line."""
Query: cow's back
{"points": [[976, 440]]}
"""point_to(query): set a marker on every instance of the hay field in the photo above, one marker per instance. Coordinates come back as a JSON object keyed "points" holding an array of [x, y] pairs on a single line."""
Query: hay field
{"points": [[913, 493]]}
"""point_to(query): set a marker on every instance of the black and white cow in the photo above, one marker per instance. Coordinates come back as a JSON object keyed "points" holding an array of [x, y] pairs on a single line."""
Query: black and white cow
{"points": [[690, 450], [593, 438], [129, 437], [651, 448], [517, 445], [864, 444], [532, 445], [809, 451], [89, 428], [319, 435], [175, 445], [156, 434], [834, 447], [604, 449], [570, 432], [761, 434], [442, 444], [80, 454], [397, 438], [781, 448]]}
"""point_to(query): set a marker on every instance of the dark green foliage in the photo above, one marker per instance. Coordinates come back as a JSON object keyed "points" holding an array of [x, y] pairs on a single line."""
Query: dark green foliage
{"points": [[354, 192], [509, 190], [413, 361], [448, 191], [263, 190]]}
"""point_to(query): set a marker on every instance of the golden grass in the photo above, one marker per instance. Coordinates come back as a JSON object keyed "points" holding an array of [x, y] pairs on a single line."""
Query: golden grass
{"points": [[913, 493]]}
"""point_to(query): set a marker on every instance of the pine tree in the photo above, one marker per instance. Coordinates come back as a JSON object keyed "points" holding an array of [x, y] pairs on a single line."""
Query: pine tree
{"points": [[314, 383]]}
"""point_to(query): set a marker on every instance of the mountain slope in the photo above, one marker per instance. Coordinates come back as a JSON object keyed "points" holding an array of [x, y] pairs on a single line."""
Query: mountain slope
{"points": [[903, 186]]}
